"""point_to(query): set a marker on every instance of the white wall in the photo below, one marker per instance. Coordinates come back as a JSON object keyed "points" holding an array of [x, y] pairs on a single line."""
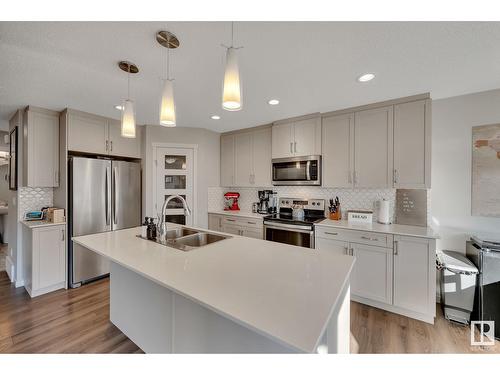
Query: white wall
{"points": [[452, 122], [208, 163]]}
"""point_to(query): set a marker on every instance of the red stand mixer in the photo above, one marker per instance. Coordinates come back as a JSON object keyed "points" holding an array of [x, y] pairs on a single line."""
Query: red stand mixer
{"points": [[231, 201]]}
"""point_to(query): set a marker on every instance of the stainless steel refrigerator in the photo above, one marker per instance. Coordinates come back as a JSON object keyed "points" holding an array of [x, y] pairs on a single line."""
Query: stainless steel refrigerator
{"points": [[104, 195]]}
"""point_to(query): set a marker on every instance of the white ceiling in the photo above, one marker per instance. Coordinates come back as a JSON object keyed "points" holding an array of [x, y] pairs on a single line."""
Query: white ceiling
{"points": [[308, 66]]}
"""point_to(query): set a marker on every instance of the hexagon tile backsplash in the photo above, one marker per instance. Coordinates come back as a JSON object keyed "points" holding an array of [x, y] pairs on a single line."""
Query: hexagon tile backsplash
{"points": [[364, 199]]}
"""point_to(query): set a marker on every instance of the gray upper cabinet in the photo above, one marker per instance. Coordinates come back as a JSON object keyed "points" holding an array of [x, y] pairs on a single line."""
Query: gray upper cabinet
{"points": [[227, 160], [246, 158], [243, 152], [40, 147], [261, 157], [299, 137], [380, 146], [121, 146], [338, 150], [99, 135], [87, 132], [412, 132], [373, 148], [282, 140]]}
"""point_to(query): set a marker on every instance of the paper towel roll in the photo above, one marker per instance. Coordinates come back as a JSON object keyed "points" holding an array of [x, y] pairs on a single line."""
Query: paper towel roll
{"points": [[383, 216]]}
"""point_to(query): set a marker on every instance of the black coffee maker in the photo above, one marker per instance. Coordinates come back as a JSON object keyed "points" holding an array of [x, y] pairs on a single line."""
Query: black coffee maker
{"points": [[264, 205]]}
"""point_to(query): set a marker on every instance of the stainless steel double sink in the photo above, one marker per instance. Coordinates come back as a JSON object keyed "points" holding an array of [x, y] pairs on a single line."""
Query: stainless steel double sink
{"points": [[187, 239]]}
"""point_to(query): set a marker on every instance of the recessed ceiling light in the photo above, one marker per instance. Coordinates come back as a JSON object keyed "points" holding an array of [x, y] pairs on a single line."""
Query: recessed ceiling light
{"points": [[274, 102], [366, 77], [119, 107], [215, 117]]}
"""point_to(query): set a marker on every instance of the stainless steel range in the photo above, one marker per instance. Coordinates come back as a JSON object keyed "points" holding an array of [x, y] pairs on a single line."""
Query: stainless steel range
{"points": [[294, 223]]}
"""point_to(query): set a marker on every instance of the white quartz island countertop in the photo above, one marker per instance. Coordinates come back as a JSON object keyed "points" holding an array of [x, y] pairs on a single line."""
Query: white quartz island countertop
{"points": [[397, 229], [286, 293]]}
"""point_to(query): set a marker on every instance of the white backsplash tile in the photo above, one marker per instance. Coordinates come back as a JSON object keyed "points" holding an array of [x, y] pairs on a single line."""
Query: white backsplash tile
{"points": [[349, 198], [33, 199]]}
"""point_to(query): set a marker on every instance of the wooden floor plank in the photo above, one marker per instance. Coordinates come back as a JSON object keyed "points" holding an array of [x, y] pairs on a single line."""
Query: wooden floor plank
{"points": [[77, 321]]}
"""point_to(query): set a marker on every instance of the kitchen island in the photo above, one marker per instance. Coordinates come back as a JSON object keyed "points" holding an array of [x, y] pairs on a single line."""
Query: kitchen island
{"points": [[238, 295]]}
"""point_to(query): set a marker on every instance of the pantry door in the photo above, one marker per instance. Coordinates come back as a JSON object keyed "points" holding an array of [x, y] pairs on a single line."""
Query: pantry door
{"points": [[174, 174]]}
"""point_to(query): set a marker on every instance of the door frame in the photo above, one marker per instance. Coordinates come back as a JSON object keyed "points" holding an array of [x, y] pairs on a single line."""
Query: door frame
{"points": [[194, 147]]}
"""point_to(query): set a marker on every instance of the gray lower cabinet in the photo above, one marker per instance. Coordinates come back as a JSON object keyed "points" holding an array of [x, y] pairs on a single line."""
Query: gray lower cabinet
{"points": [[414, 274], [237, 225], [372, 275], [394, 273], [44, 258]]}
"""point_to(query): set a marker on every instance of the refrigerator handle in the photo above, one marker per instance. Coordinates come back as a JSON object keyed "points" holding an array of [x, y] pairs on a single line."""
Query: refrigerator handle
{"points": [[106, 196], [114, 196]]}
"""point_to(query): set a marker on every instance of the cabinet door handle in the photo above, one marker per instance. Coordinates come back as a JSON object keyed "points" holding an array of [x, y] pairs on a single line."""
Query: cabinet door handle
{"points": [[111, 144], [291, 147], [369, 238], [251, 222], [396, 250], [395, 176], [351, 251], [62, 234], [295, 146], [346, 250], [333, 234], [230, 220], [107, 145]]}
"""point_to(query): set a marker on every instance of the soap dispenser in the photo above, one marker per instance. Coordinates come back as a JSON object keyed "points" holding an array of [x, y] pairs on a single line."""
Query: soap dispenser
{"points": [[144, 228]]}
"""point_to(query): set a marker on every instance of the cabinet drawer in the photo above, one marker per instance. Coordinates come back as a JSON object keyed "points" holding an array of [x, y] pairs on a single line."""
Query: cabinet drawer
{"points": [[357, 236], [242, 221]]}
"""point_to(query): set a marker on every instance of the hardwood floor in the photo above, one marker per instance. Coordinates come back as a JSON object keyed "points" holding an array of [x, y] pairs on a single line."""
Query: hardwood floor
{"points": [[77, 321], [378, 331], [65, 321]]}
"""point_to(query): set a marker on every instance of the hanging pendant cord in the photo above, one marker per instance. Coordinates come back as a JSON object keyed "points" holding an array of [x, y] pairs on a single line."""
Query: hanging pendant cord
{"points": [[232, 34], [128, 83], [168, 58]]}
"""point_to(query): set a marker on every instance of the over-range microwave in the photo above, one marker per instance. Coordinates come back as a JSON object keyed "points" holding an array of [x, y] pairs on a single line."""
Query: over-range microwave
{"points": [[299, 170]]}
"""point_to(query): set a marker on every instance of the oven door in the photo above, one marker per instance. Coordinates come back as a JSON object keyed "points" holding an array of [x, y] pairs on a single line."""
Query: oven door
{"points": [[289, 234], [303, 170]]}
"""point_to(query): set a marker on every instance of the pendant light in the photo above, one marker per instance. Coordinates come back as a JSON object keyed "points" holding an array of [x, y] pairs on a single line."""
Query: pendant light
{"points": [[167, 102], [231, 92], [128, 127]]}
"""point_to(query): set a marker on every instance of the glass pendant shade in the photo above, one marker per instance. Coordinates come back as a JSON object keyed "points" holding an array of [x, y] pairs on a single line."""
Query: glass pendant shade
{"points": [[167, 104], [128, 119], [231, 94]]}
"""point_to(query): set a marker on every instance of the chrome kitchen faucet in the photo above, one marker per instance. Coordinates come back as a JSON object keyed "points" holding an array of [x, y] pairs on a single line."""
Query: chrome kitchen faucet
{"points": [[162, 225]]}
